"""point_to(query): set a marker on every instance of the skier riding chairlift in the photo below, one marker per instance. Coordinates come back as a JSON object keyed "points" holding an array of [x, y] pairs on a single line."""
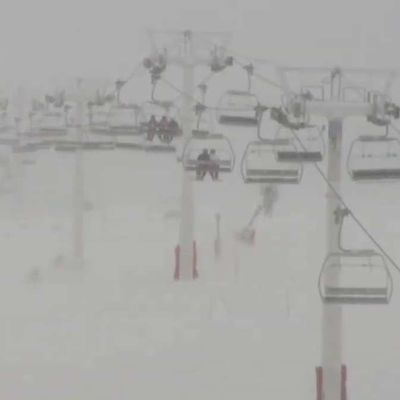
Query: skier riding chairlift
{"points": [[163, 126], [203, 161], [214, 165], [152, 128]]}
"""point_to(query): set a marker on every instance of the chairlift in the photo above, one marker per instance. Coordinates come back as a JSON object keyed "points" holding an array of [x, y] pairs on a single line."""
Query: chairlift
{"points": [[238, 108], [374, 158], [160, 121], [200, 142], [99, 120], [159, 110], [48, 124], [311, 149], [123, 120], [355, 277], [350, 276], [260, 165]]}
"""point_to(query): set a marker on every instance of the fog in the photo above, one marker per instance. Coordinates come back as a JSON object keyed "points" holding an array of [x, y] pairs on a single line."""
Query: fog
{"points": [[116, 324], [43, 38]]}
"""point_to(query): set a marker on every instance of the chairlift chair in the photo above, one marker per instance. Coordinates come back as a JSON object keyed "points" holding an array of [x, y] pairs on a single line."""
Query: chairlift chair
{"points": [[123, 120], [260, 165], [209, 141], [48, 124], [310, 150], [238, 108], [355, 277], [99, 121], [374, 158], [159, 137]]}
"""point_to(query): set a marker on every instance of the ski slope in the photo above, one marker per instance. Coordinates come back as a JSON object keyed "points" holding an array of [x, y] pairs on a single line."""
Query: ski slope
{"points": [[121, 328]]}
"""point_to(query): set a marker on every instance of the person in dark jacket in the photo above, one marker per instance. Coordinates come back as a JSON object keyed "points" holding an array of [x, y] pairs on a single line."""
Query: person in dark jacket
{"points": [[203, 161], [173, 127], [163, 128]]}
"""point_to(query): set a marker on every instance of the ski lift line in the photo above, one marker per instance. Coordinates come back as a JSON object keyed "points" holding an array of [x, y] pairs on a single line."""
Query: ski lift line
{"points": [[268, 81], [197, 101], [261, 77], [181, 93], [133, 74], [139, 66], [343, 202]]}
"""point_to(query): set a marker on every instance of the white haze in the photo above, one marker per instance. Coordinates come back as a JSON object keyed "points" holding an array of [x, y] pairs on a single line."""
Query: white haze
{"points": [[122, 329]]}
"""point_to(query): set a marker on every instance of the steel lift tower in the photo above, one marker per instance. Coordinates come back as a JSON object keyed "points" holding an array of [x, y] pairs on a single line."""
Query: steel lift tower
{"points": [[188, 51], [335, 97]]}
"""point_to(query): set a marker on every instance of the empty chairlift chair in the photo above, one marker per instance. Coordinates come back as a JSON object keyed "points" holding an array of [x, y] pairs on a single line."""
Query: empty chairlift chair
{"points": [[260, 165], [99, 122], [208, 141], [311, 149], [123, 120], [238, 108], [355, 277], [48, 124], [374, 158]]}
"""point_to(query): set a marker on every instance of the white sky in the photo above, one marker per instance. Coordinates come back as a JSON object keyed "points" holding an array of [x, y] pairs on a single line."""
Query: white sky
{"points": [[40, 38]]}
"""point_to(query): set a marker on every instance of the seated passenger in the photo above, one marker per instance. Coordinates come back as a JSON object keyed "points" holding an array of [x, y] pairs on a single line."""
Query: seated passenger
{"points": [[203, 161], [151, 128], [163, 124], [214, 165], [173, 127], [163, 128]]}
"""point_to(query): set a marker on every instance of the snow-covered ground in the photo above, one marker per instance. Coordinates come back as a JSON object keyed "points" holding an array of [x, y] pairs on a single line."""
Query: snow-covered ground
{"points": [[122, 329]]}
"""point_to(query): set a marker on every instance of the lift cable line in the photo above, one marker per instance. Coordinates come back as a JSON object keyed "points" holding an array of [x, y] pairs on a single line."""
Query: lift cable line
{"points": [[351, 213], [139, 66], [257, 75], [197, 101], [180, 91], [261, 77], [182, 94]]}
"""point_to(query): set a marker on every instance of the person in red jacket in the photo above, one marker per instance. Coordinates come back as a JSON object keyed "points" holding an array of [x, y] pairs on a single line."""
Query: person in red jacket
{"points": [[151, 128]]}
